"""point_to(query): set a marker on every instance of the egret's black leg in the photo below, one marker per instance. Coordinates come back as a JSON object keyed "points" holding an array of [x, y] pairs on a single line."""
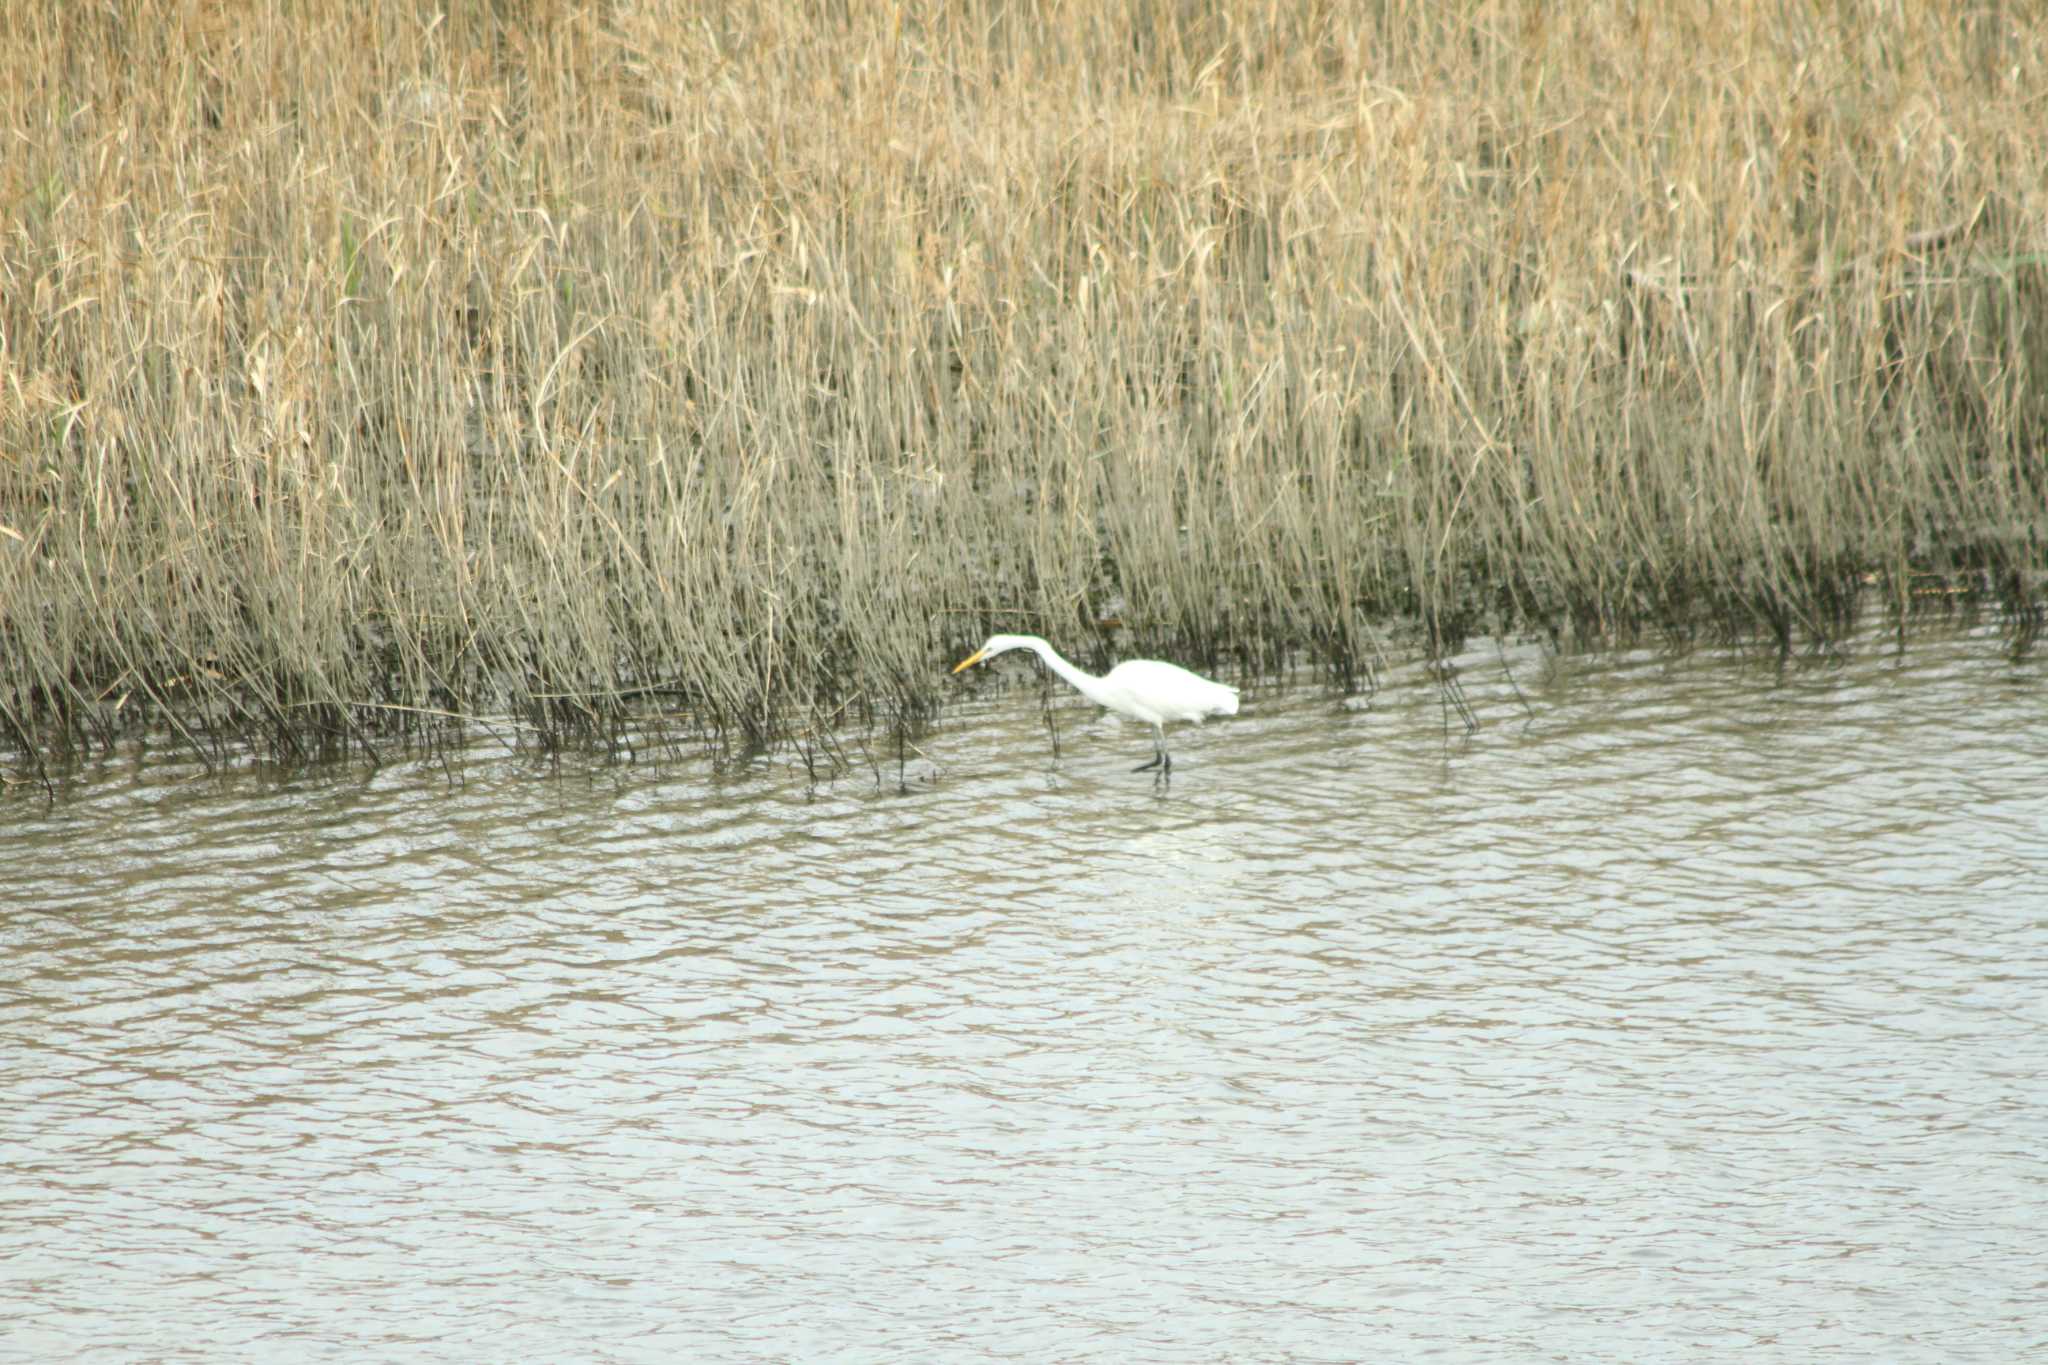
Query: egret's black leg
{"points": [[1161, 759]]}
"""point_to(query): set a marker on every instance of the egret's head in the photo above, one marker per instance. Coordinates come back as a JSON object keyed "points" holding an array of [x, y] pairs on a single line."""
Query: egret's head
{"points": [[994, 645]]}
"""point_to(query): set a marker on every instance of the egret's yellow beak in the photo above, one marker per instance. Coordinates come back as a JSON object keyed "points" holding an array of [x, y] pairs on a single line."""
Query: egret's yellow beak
{"points": [[970, 660]]}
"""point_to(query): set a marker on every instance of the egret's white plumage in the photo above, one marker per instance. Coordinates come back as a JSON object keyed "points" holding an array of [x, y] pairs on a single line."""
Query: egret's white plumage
{"points": [[1143, 689]]}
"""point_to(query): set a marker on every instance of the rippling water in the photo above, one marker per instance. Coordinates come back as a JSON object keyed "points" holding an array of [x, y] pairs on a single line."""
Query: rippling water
{"points": [[1696, 1007]]}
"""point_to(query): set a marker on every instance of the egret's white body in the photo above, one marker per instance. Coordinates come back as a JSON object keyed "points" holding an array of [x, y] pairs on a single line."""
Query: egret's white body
{"points": [[1143, 689]]}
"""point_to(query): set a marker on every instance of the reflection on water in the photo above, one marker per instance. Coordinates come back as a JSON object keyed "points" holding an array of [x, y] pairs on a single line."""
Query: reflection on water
{"points": [[1690, 1009]]}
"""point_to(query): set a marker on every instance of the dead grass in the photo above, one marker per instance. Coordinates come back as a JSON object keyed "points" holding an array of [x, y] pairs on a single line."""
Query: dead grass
{"points": [[368, 366]]}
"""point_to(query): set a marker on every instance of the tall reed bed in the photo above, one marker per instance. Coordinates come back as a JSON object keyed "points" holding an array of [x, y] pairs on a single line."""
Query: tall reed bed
{"points": [[371, 366]]}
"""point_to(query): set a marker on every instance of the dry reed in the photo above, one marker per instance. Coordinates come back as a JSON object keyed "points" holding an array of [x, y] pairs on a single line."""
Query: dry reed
{"points": [[368, 366]]}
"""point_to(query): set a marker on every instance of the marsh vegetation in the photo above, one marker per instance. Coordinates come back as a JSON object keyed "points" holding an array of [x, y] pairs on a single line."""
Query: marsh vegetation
{"points": [[369, 367]]}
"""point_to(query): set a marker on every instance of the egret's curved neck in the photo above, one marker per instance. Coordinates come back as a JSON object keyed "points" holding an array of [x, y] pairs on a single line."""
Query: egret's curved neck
{"points": [[1085, 683]]}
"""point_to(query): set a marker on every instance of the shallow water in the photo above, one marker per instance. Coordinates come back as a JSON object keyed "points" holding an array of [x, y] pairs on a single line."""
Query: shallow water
{"points": [[1696, 1006]]}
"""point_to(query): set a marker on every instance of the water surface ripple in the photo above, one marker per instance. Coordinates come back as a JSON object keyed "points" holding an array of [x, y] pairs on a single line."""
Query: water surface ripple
{"points": [[1696, 1007]]}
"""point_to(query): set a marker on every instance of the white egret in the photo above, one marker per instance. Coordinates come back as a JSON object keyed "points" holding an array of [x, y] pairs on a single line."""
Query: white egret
{"points": [[1143, 689]]}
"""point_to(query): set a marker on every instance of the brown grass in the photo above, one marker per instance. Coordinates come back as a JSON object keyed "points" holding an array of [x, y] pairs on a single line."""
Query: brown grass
{"points": [[366, 367]]}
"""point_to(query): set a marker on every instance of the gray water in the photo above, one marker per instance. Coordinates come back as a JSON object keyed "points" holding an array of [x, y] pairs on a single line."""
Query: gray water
{"points": [[1695, 1007]]}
